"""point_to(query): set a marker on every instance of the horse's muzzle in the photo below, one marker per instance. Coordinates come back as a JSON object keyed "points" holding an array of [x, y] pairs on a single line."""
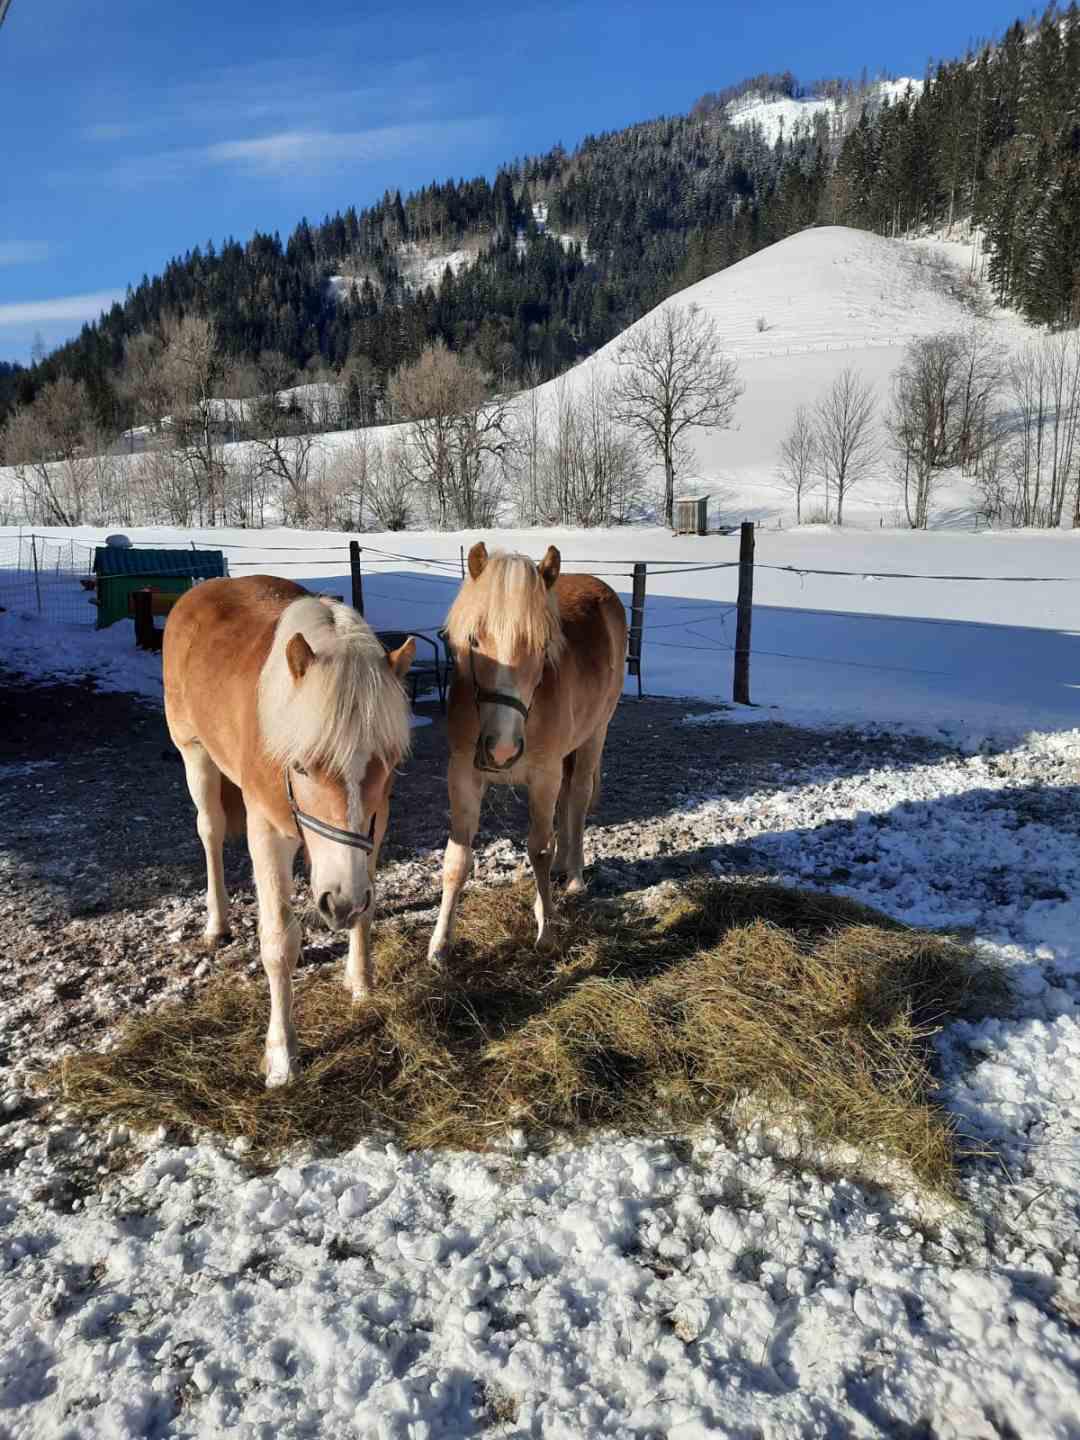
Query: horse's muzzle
{"points": [[484, 760], [338, 914]]}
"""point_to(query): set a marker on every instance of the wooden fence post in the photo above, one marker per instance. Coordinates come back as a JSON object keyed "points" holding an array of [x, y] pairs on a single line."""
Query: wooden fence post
{"points": [[637, 623], [461, 557], [357, 577], [37, 579], [741, 686]]}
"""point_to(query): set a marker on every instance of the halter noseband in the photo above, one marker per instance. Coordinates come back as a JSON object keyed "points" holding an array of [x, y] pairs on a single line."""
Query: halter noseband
{"points": [[304, 821], [484, 696]]}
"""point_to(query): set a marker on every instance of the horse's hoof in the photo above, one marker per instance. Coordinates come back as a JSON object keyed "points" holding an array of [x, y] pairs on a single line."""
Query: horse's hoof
{"points": [[576, 886], [281, 1068], [214, 940], [437, 958]]}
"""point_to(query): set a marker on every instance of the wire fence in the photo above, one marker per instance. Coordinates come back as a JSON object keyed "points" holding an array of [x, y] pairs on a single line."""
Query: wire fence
{"points": [[54, 579], [46, 577]]}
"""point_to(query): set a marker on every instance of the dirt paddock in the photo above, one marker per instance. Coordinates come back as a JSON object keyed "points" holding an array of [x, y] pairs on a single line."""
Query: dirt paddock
{"points": [[101, 869]]}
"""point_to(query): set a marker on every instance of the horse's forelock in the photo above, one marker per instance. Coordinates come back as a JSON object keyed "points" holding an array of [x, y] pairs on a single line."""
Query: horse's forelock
{"points": [[347, 705], [510, 605]]}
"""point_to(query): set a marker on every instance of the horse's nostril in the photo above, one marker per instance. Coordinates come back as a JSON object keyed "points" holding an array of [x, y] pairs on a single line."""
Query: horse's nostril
{"points": [[324, 905]]}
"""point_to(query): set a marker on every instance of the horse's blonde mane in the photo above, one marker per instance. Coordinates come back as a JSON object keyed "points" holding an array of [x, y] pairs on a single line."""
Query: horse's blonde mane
{"points": [[510, 604], [349, 703]]}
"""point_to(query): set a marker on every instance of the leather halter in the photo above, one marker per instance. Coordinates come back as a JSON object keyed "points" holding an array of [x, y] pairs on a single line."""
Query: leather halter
{"points": [[484, 696], [304, 821]]}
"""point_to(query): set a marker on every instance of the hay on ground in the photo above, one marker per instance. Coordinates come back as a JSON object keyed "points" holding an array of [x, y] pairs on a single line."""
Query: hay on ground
{"points": [[729, 998]]}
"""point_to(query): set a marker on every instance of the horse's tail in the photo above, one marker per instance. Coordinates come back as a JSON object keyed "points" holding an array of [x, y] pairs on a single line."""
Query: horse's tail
{"points": [[235, 809]]}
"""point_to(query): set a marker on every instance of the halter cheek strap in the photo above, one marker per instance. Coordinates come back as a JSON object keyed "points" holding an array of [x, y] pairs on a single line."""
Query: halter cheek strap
{"points": [[304, 821], [484, 696]]}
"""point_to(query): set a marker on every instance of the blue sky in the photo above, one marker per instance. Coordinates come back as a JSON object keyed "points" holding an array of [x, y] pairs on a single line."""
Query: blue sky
{"points": [[133, 130]]}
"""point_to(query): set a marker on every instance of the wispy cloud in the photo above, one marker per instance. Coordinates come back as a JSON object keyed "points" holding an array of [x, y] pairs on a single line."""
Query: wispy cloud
{"points": [[63, 309], [24, 252], [294, 149], [286, 152]]}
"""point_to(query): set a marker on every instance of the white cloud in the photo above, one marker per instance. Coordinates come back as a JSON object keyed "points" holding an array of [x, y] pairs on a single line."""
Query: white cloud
{"points": [[23, 252], [66, 308], [291, 149]]}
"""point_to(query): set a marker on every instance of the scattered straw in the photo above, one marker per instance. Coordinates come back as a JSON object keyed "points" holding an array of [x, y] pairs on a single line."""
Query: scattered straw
{"points": [[729, 998]]}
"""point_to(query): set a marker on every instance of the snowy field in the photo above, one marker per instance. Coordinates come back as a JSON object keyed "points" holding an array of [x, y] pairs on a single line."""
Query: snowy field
{"points": [[683, 1287], [975, 660]]}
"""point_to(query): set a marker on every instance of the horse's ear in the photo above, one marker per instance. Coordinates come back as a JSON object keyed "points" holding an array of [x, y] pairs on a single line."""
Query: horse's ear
{"points": [[478, 558], [299, 654], [550, 566], [400, 659]]}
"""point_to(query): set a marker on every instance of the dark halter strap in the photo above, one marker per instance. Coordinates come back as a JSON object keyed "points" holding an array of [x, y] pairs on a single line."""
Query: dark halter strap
{"points": [[304, 821], [484, 696]]}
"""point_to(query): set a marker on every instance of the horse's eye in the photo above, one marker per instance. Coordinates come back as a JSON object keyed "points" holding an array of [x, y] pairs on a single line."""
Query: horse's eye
{"points": [[474, 643], [299, 770]]}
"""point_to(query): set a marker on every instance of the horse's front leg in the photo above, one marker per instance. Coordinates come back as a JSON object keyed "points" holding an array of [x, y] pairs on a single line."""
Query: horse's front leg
{"points": [[359, 975], [543, 796], [204, 785], [272, 857], [466, 785]]}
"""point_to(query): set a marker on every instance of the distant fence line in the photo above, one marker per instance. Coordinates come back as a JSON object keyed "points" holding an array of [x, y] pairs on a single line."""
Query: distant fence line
{"points": [[41, 575]]}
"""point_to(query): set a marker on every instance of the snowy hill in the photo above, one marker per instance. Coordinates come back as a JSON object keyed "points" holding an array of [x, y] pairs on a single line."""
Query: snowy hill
{"points": [[782, 117], [828, 298], [793, 317]]}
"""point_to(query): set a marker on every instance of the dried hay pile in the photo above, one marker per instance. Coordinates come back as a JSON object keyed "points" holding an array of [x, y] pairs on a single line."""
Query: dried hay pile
{"points": [[728, 997]]}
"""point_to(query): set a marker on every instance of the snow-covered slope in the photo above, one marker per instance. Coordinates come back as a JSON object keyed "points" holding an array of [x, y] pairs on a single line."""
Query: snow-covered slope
{"points": [[794, 316], [780, 117]]}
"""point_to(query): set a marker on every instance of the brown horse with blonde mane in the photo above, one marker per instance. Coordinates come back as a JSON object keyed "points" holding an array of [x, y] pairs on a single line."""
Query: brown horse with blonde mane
{"points": [[538, 672], [286, 709]]}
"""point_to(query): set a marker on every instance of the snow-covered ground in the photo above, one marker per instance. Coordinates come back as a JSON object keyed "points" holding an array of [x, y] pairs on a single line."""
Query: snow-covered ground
{"points": [[781, 117], [976, 660], [684, 1287], [675, 1288], [792, 317]]}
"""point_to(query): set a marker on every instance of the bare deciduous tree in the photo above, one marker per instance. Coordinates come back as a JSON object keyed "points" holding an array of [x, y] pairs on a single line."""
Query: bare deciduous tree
{"points": [[281, 440], [142, 379], [924, 420], [457, 437], [589, 469], [390, 486], [673, 377], [846, 449], [194, 370], [981, 365], [798, 458], [51, 444]]}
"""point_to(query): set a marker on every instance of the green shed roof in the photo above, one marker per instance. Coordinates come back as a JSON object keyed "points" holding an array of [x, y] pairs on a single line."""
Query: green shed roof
{"points": [[130, 560]]}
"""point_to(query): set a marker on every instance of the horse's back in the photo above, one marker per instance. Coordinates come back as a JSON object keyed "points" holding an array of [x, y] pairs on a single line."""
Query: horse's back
{"points": [[217, 637], [592, 615]]}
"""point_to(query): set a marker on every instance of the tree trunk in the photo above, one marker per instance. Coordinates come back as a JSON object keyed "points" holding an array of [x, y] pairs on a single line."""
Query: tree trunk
{"points": [[669, 490]]}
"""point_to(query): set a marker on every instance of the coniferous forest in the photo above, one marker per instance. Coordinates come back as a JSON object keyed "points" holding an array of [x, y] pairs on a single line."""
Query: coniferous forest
{"points": [[572, 246]]}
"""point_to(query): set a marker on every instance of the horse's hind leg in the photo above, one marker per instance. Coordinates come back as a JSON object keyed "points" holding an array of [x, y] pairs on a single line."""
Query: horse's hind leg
{"points": [[561, 864], [580, 797], [204, 781], [272, 858], [466, 787]]}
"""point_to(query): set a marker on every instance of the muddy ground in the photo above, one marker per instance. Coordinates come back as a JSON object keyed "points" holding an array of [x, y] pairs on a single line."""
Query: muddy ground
{"points": [[101, 869]]}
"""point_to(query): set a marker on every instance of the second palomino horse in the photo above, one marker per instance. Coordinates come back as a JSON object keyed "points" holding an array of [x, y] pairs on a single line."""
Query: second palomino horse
{"points": [[538, 672], [285, 706]]}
